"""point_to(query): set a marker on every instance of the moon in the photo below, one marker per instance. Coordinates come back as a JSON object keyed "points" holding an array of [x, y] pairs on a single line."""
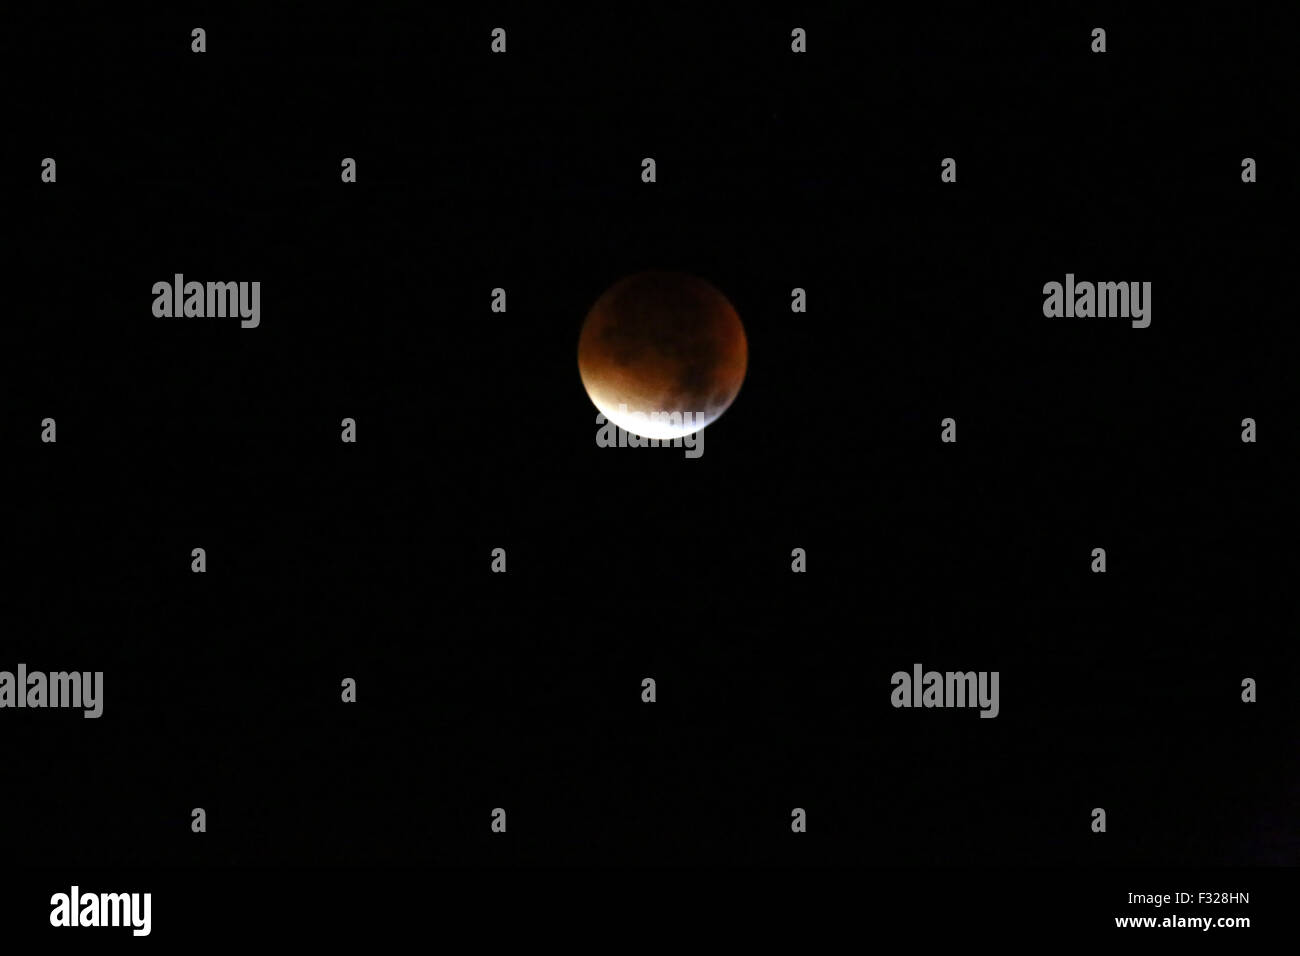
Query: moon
{"points": [[662, 354]]}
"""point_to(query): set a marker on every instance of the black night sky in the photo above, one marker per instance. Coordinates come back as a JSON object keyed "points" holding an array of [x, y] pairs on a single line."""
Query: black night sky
{"points": [[522, 690]]}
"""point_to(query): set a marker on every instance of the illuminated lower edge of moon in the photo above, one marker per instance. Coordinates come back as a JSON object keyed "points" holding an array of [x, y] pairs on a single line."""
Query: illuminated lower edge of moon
{"points": [[654, 423]]}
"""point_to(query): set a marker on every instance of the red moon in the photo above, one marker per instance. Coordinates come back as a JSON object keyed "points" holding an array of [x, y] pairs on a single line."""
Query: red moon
{"points": [[662, 354]]}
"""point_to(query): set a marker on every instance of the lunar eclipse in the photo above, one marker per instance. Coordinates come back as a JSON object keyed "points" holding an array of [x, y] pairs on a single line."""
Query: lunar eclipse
{"points": [[658, 343]]}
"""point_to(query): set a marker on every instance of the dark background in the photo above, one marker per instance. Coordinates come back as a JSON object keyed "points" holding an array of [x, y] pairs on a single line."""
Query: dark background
{"points": [[522, 690]]}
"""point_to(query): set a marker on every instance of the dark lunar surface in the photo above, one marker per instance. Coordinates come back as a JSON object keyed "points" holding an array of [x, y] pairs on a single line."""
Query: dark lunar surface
{"points": [[663, 342]]}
